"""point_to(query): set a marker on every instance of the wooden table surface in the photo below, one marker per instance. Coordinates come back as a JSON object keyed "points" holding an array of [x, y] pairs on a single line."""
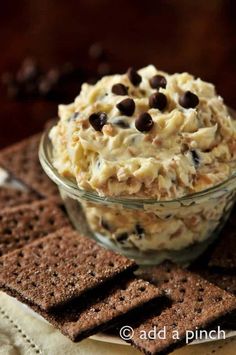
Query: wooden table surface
{"points": [[175, 35]]}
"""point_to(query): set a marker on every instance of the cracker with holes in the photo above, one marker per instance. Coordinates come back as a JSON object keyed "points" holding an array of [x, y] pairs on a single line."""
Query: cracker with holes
{"points": [[60, 267], [225, 281], [26, 223], [109, 306], [10, 197], [21, 160], [196, 303]]}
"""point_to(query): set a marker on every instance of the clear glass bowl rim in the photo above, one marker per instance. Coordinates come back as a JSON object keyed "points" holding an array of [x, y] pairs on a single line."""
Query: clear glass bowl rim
{"points": [[70, 186]]}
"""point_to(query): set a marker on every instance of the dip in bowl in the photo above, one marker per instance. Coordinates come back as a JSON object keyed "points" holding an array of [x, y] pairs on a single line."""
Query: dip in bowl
{"points": [[145, 163]]}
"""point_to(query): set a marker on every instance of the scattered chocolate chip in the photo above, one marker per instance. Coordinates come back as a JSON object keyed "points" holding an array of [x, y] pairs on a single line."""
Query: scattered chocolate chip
{"points": [[96, 51], [139, 230], [167, 216], [195, 157], [30, 89], [28, 71], [158, 100], [122, 124], [98, 120], [31, 81], [189, 100], [158, 81], [92, 80], [119, 89], [13, 91], [105, 224], [53, 75], [144, 122], [74, 116], [7, 78], [122, 237], [126, 107], [134, 77], [44, 87], [104, 69]]}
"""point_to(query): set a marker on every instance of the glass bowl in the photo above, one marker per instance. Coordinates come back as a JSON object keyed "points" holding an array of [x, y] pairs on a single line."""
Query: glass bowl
{"points": [[148, 231]]}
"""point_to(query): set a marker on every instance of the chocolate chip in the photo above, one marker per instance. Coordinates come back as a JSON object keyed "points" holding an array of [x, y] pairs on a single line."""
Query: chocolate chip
{"points": [[104, 68], [14, 91], [122, 124], [158, 81], [98, 120], [67, 70], [104, 224], [30, 89], [119, 89], [7, 78], [134, 77], [53, 75], [74, 116], [139, 230], [122, 237], [195, 157], [189, 100], [126, 107], [158, 100], [92, 80], [45, 86], [96, 51], [28, 71], [144, 122]]}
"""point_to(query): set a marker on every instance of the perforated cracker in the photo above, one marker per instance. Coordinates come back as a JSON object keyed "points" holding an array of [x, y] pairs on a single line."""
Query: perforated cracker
{"points": [[112, 305], [60, 267], [21, 160], [196, 303], [10, 197], [21, 225]]}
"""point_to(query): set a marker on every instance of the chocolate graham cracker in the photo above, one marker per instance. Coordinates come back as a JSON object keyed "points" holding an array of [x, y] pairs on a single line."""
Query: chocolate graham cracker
{"points": [[10, 197], [225, 281], [60, 267], [21, 160], [80, 319], [196, 303], [23, 224]]}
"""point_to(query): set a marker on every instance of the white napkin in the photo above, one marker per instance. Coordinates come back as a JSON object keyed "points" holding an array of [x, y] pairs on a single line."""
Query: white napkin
{"points": [[23, 334]]}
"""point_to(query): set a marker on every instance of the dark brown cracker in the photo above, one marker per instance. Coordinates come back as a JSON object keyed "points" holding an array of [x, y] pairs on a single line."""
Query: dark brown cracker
{"points": [[23, 224], [60, 267], [10, 197], [78, 321], [224, 254], [225, 281], [196, 303], [21, 160]]}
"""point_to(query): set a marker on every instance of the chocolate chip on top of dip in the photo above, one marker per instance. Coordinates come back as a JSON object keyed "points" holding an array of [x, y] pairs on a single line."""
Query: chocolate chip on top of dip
{"points": [[145, 133], [150, 135]]}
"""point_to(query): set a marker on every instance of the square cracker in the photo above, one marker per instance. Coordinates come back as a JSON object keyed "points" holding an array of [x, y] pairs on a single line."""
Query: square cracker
{"points": [[23, 224], [62, 266], [21, 160], [11, 197], [80, 319], [196, 304]]}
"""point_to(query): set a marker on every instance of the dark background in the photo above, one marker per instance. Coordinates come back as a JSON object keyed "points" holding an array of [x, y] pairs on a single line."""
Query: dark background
{"points": [[175, 35]]}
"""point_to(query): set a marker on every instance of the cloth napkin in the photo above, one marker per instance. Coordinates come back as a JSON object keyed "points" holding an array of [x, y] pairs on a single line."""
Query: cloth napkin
{"points": [[22, 333]]}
